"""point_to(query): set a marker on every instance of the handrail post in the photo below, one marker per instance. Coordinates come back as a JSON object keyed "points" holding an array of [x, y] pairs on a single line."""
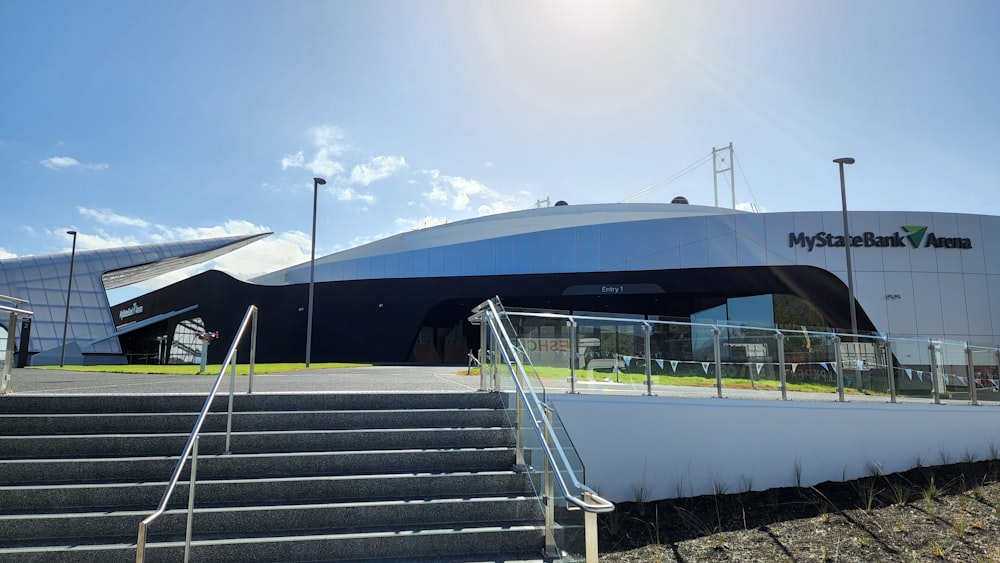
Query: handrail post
{"points": [[590, 530], [484, 348], [253, 350], [518, 429], [574, 351], [718, 361], [891, 369], [190, 512], [780, 336], [232, 391], [972, 374], [935, 384], [646, 331], [550, 509], [839, 360]]}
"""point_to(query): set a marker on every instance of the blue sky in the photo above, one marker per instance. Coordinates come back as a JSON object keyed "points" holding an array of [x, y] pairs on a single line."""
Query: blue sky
{"points": [[137, 122]]}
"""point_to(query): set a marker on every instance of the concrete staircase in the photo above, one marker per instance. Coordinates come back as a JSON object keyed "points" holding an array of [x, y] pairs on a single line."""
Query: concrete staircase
{"points": [[311, 477]]}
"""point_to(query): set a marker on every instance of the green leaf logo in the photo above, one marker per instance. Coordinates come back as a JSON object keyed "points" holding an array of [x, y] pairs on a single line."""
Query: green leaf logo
{"points": [[915, 234]]}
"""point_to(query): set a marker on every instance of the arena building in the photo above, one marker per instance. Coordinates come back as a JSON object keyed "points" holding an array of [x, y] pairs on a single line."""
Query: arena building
{"points": [[83, 331], [408, 297]]}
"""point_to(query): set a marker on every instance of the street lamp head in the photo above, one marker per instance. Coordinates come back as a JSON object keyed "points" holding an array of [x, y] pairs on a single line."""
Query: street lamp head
{"points": [[319, 181], [845, 160], [71, 233]]}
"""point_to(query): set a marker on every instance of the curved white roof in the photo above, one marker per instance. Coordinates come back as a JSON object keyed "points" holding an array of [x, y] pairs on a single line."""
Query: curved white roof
{"points": [[506, 224]]}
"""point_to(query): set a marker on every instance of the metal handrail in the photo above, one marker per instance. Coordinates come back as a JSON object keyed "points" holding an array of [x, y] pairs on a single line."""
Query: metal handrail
{"points": [[191, 447], [541, 424]]}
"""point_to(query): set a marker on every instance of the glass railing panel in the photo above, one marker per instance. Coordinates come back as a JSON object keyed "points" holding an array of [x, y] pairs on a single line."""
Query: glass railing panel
{"points": [[911, 358]]}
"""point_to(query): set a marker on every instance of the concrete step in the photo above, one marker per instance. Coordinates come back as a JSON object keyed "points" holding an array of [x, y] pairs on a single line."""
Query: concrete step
{"points": [[239, 492], [26, 424], [105, 445], [219, 466], [221, 522], [517, 542], [149, 403]]}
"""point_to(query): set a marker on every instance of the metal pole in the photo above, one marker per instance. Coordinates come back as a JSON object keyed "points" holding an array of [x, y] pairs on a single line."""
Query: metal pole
{"points": [[549, 494], [574, 351], [317, 182], [232, 391], [732, 173], [781, 364], [840, 368], [847, 248], [69, 293], [190, 513], [590, 530], [484, 347], [253, 350], [646, 330], [892, 370], [972, 374], [715, 177], [9, 358], [718, 361], [935, 387]]}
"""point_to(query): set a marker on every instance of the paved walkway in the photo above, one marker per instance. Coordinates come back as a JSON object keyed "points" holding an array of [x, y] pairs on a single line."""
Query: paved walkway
{"points": [[374, 379], [364, 379]]}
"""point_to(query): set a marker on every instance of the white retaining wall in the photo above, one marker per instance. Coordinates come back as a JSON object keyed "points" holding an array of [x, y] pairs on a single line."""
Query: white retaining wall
{"points": [[670, 447]]}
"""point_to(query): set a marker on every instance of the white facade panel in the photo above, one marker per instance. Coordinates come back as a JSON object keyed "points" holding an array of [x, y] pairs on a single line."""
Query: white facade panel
{"points": [[894, 259], [869, 288], [954, 310], [721, 241], [993, 288], [990, 240], [973, 259], [922, 259], [776, 230], [665, 244], [866, 258], [977, 304], [927, 299], [810, 224], [948, 259]]}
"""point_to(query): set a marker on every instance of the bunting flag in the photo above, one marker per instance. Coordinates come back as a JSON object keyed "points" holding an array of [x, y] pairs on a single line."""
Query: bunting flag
{"points": [[673, 365], [760, 366], [659, 363], [794, 367], [920, 376], [962, 380], [909, 373], [833, 367], [628, 360], [704, 366], [825, 366]]}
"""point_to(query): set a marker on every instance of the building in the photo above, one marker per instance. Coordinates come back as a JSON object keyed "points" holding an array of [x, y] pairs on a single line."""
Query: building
{"points": [[91, 334], [407, 297]]}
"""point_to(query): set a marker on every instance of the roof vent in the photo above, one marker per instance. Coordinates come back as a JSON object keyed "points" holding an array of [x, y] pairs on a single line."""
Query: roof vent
{"points": [[561, 202], [680, 200]]}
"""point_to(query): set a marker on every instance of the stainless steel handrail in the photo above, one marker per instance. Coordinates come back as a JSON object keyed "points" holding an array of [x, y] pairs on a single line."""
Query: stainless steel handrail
{"points": [[541, 424], [190, 448]]}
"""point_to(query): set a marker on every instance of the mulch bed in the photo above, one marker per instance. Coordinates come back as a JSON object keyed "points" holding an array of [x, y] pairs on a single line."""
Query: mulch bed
{"points": [[943, 513]]}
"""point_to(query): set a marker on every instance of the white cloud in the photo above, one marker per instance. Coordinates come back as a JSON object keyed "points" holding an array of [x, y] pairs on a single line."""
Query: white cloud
{"points": [[57, 162], [380, 168], [4, 254], [455, 191], [108, 217], [330, 144], [60, 162], [499, 206], [349, 194], [489, 164], [749, 206]]}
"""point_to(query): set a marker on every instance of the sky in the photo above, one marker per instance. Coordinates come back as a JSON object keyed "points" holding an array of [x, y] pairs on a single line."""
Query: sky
{"points": [[141, 122]]}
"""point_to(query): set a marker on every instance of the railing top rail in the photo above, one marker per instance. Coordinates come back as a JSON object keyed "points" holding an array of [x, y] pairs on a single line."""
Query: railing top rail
{"points": [[785, 331], [534, 405], [175, 477]]}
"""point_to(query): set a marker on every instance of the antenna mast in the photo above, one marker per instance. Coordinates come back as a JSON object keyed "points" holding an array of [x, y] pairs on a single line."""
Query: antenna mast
{"points": [[720, 164]]}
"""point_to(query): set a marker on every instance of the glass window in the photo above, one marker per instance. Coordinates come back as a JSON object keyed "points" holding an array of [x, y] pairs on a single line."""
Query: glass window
{"points": [[523, 259], [638, 246]]}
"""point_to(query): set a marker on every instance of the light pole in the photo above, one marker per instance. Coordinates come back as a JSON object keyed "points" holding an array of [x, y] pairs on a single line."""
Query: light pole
{"points": [[317, 182], [847, 252], [69, 293]]}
